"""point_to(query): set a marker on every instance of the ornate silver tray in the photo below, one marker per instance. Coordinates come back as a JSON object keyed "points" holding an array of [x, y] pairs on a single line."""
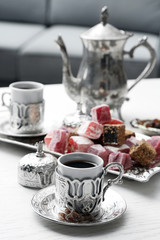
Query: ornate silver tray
{"points": [[140, 175], [43, 203]]}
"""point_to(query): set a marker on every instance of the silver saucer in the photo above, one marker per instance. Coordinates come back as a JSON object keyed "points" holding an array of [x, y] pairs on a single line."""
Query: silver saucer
{"points": [[43, 203], [6, 130]]}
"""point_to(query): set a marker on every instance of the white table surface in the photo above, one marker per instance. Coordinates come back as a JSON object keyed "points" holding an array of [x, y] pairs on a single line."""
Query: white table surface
{"points": [[142, 218]]}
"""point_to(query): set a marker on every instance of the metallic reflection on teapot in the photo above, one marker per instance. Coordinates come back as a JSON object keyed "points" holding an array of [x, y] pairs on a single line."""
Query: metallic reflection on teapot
{"points": [[101, 78]]}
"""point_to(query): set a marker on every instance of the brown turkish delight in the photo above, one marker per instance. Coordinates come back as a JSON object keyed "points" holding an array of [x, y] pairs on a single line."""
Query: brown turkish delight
{"points": [[143, 152], [129, 133], [113, 134]]}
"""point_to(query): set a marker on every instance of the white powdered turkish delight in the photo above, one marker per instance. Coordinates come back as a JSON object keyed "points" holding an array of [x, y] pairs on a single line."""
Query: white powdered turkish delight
{"points": [[79, 144], [90, 129], [101, 114], [59, 141]]}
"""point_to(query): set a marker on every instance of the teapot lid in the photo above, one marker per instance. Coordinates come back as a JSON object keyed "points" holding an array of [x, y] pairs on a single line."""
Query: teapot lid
{"points": [[105, 31]]}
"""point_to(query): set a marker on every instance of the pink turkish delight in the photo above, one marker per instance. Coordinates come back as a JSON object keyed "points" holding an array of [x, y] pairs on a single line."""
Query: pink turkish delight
{"points": [[101, 114], [48, 138], [90, 129], [111, 148], [59, 141], [131, 141], [100, 151], [79, 144], [123, 148], [49, 135], [122, 158], [115, 121], [155, 142]]}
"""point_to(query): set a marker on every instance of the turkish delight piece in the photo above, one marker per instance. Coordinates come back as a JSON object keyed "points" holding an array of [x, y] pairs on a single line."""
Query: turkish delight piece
{"points": [[90, 129], [129, 133], [122, 158], [143, 152], [101, 114], [100, 151], [48, 138], [79, 144], [123, 148], [115, 121], [131, 141], [155, 142], [111, 148], [71, 130], [113, 134], [59, 141]]}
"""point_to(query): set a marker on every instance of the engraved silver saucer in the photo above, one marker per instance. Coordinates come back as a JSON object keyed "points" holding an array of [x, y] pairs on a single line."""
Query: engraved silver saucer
{"points": [[43, 203], [5, 129]]}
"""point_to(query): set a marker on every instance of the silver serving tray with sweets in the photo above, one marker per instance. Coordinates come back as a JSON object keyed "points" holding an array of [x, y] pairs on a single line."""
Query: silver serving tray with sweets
{"points": [[43, 203], [25, 140], [139, 174]]}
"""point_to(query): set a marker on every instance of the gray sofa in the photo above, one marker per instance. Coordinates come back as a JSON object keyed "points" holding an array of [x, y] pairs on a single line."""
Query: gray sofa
{"points": [[29, 28]]}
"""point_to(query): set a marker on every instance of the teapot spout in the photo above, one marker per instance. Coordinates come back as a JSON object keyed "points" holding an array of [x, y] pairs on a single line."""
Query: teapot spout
{"points": [[65, 58], [71, 84]]}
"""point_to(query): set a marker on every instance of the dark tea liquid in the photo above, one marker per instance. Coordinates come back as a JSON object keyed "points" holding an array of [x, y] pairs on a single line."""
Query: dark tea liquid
{"points": [[80, 164], [26, 88]]}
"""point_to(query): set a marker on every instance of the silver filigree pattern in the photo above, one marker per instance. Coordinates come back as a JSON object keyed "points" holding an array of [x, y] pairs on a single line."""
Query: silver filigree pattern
{"points": [[36, 170], [82, 196], [26, 118], [44, 204]]}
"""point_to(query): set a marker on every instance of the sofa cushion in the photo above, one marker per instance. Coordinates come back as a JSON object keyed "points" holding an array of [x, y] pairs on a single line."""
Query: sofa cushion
{"points": [[132, 15], [75, 12], [135, 15], [13, 37], [40, 59], [29, 11]]}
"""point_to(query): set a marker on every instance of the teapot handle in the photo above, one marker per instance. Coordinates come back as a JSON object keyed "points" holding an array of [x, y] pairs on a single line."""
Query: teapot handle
{"points": [[149, 67]]}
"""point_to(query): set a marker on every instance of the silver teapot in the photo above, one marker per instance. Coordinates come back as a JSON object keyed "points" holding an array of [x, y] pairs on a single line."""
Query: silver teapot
{"points": [[101, 77]]}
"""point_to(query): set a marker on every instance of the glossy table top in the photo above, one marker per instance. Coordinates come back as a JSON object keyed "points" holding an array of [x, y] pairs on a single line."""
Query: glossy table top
{"points": [[142, 218]]}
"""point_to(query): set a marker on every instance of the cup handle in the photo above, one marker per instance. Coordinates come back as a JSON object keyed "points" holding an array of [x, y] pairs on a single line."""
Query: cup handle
{"points": [[116, 180], [3, 99]]}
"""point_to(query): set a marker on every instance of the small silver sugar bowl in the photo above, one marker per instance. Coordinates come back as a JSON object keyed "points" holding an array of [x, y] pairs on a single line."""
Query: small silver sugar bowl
{"points": [[36, 170]]}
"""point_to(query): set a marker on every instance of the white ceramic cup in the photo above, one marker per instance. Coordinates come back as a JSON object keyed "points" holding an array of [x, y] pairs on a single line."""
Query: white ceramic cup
{"points": [[26, 92], [81, 189], [26, 106], [80, 173]]}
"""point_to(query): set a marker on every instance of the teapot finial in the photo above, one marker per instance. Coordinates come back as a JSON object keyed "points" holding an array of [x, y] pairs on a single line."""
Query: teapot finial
{"points": [[104, 15]]}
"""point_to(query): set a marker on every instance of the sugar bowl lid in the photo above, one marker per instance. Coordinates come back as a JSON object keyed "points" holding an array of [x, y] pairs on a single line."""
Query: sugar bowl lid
{"points": [[36, 169], [105, 31]]}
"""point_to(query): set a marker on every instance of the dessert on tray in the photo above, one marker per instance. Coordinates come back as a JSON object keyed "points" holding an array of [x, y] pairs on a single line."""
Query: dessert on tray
{"points": [[107, 138]]}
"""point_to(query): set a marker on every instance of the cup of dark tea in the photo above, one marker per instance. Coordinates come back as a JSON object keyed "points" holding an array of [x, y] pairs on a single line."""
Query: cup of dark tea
{"points": [[26, 106], [79, 182]]}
